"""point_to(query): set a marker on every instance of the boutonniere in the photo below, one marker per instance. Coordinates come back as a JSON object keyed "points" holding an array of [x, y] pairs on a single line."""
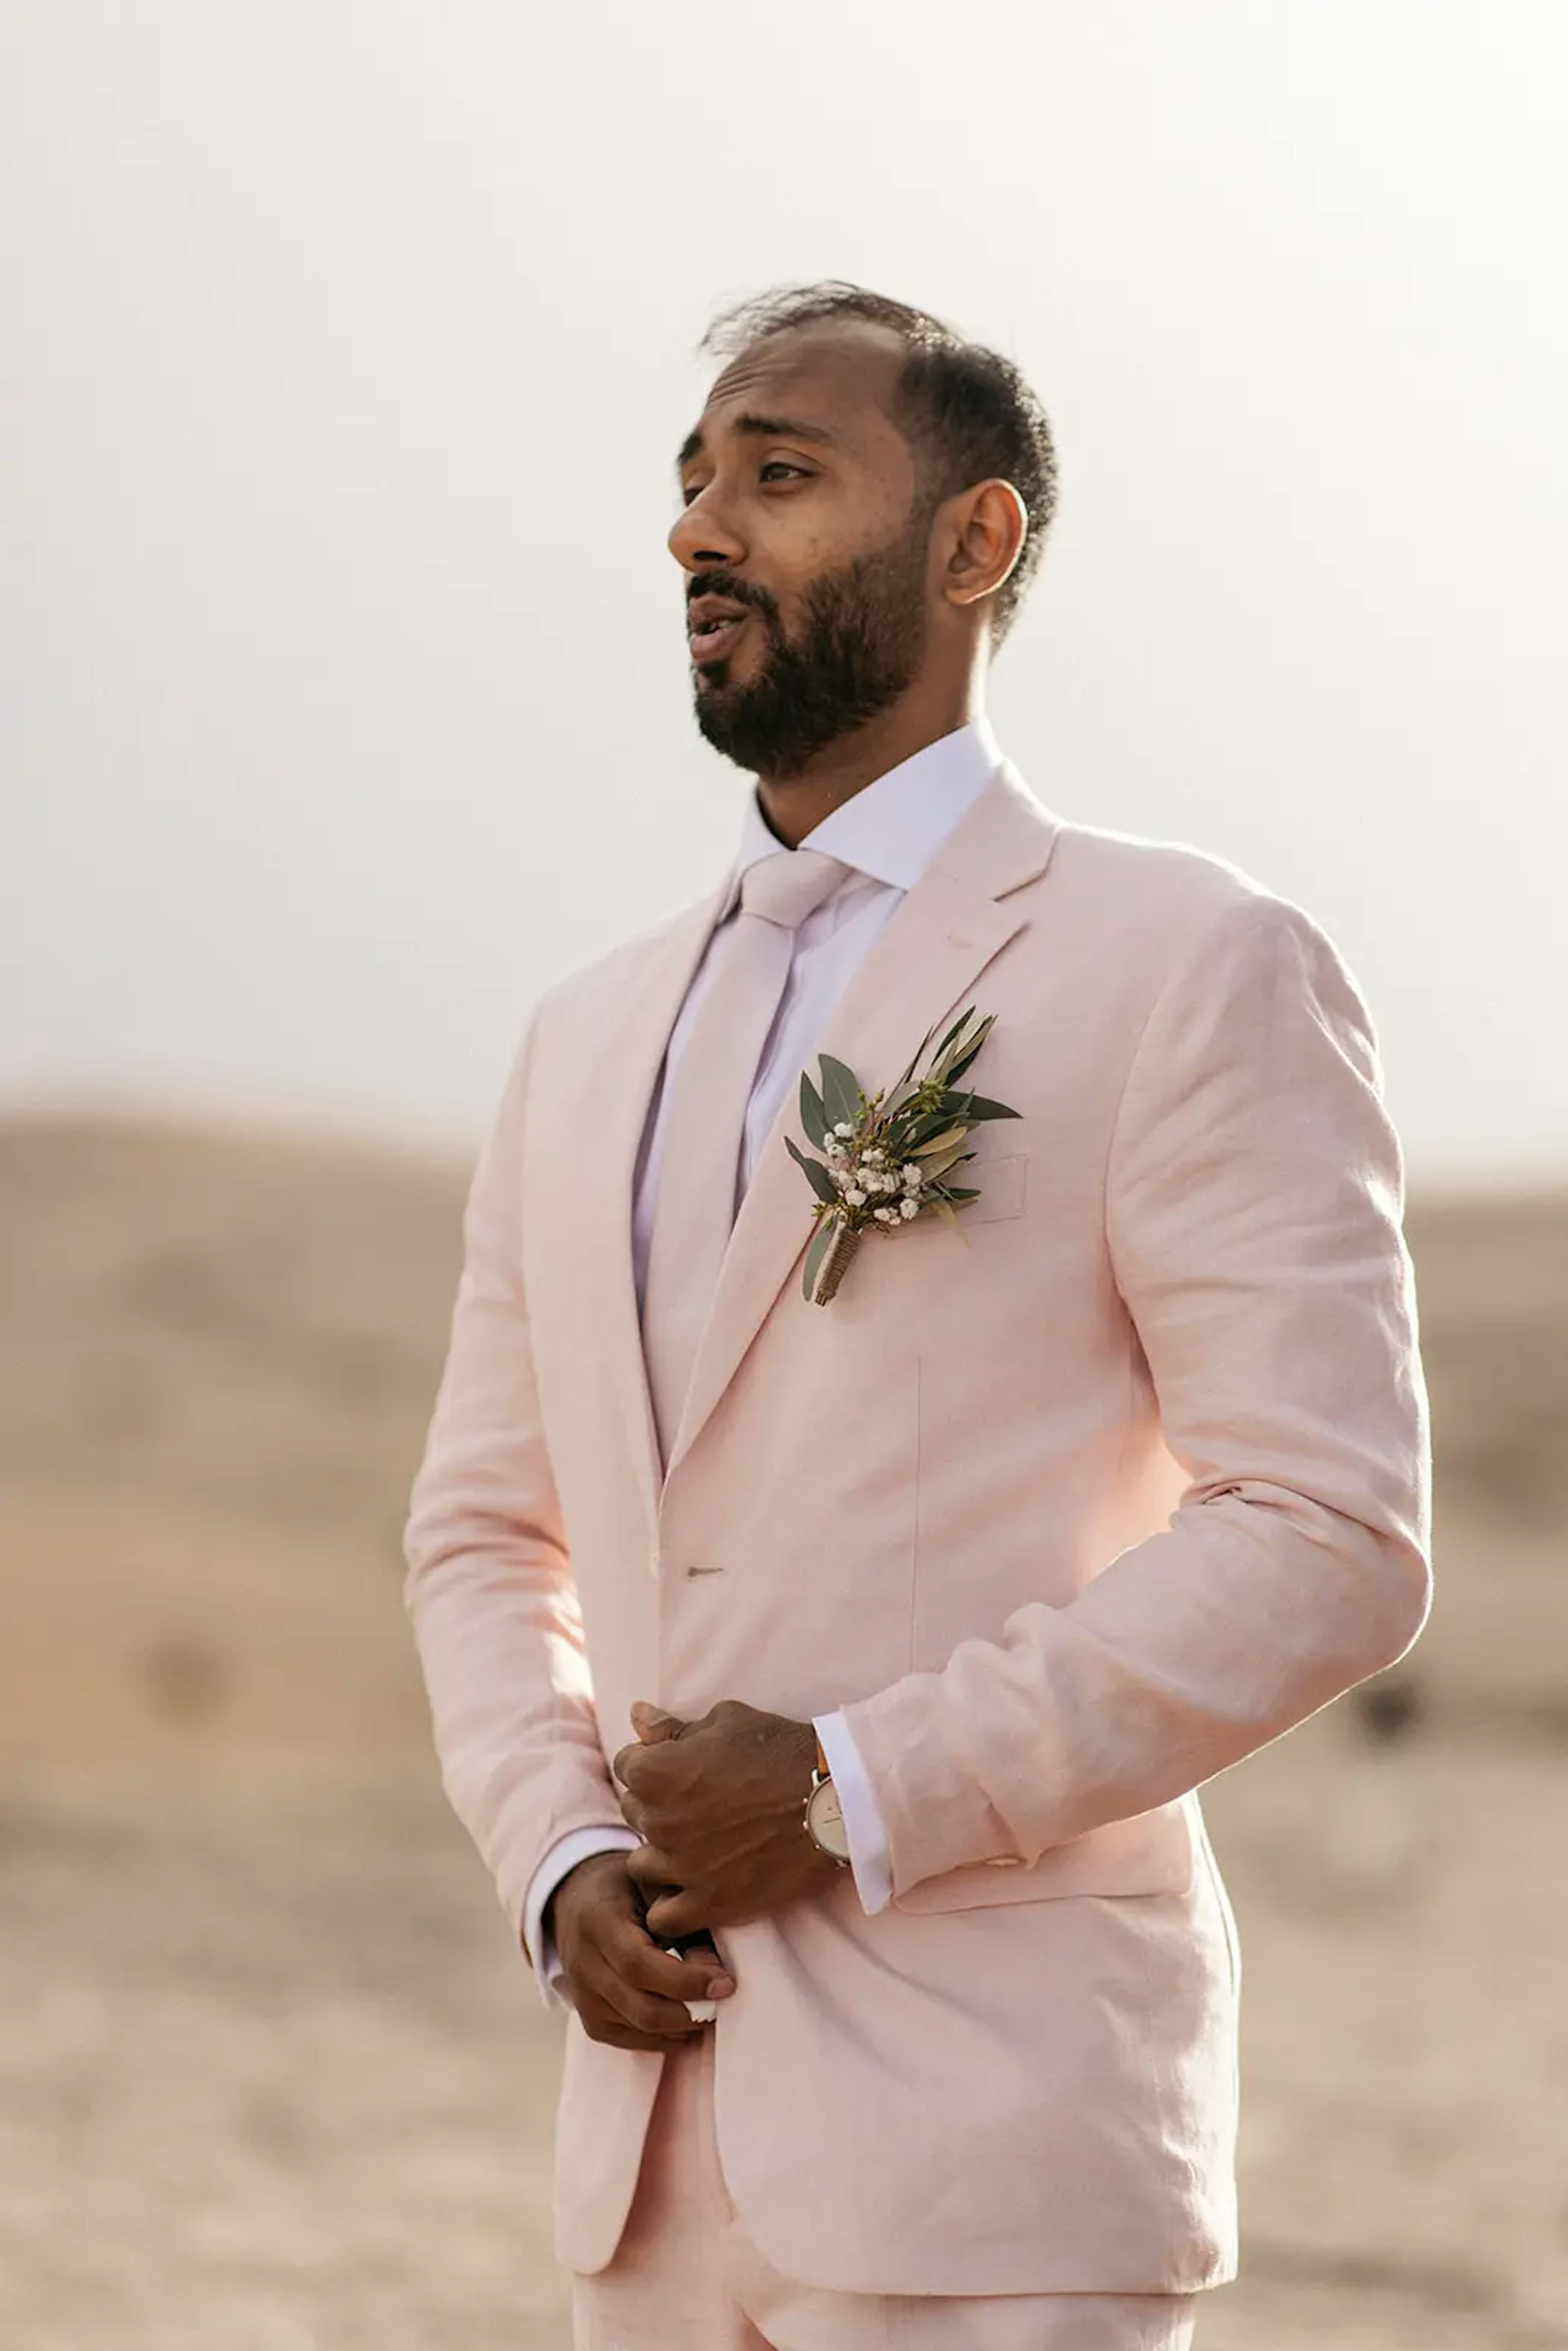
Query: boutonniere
{"points": [[888, 1160]]}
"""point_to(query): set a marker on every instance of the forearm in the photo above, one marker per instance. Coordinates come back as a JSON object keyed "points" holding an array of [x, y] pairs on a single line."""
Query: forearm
{"points": [[511, 1710], [1189, 1652]]}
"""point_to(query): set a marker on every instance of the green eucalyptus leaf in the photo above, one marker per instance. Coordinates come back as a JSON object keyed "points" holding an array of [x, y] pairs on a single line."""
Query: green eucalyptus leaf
{"points": [[980, 1108], [842, 1095], [963, 1062], [821, 1183], [921, 1130], [960, 1046], [937, 1143], [955, 1032], [961, 1191], [813, 1116]]}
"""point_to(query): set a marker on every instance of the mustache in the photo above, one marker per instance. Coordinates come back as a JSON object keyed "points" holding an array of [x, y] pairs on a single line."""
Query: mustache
{"points": [[721, 583]]}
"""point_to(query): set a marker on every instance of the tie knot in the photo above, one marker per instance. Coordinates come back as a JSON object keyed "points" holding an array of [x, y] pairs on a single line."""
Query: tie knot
{"points": [[787, 886]]}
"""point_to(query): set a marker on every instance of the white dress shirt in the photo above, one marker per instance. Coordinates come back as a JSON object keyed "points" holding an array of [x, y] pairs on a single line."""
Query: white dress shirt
{"points": [[888, 834]]}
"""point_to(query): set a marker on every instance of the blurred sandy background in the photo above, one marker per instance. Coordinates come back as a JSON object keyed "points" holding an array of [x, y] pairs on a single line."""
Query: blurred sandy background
{"points": [[273, 2078], [344, 351]]}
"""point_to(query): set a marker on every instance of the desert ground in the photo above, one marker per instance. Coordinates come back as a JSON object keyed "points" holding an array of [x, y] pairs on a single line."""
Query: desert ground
{"points": [[274, 2078]]}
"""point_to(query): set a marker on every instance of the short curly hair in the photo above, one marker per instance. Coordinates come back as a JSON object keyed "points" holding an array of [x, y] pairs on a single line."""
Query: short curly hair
{"points": [[968, 412]]}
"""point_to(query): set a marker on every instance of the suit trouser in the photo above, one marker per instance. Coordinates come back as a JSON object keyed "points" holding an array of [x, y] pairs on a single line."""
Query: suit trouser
{"points": [[686, 2277]]}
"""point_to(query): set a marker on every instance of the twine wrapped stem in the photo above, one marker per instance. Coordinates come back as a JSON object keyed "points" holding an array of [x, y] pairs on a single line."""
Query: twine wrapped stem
{"points": [[836, 1262]]}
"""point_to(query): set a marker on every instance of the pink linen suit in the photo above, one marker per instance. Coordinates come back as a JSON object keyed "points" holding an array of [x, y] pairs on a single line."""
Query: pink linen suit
{"points": [[1068, 1514]]}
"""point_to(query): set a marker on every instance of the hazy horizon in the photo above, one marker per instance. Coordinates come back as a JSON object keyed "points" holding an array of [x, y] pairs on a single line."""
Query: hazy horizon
{"points": [[346, 360]]}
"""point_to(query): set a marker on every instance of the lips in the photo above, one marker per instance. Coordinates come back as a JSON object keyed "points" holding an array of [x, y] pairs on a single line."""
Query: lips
{"points": [[710, 641], [713, 624]]}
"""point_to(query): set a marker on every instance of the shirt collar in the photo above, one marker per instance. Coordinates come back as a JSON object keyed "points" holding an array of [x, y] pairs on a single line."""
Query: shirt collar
{"points": [[893, 829]]}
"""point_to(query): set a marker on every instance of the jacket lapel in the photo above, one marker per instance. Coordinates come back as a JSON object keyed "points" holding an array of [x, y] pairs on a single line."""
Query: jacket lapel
{"points": [[617, 1077], [944, 933]]}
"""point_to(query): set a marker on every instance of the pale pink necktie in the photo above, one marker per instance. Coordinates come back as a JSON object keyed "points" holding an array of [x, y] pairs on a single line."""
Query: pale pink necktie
{"points": [[700, 1175]]}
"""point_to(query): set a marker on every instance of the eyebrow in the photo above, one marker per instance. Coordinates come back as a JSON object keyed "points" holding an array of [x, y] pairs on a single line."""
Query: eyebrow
{"points": [[770, 428]]}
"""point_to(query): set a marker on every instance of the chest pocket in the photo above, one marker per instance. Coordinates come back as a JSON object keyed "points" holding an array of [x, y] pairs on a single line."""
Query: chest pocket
{"points": [[1002, 1181]]}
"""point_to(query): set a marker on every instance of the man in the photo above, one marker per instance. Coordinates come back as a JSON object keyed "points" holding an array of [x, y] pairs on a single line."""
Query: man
{"points": [[874, 1649]]}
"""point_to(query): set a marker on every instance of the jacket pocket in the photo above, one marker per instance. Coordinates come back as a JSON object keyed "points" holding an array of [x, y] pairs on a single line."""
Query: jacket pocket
{"points": [[1002, 1181], [1151, 1854]]}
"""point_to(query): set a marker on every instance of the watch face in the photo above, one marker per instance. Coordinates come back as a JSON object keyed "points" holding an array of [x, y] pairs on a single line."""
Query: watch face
{"points": [[826, 1820]]}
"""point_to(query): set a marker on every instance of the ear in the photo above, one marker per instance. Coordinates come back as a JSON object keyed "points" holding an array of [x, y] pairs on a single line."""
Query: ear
{"points": [[992, 526]]}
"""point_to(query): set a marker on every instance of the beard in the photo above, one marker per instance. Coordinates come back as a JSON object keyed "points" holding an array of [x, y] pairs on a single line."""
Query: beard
{"points": [[860, 647]]}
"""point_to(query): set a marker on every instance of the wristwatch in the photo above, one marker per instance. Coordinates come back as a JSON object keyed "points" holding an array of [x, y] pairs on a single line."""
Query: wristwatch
{"points": [[824, 1815]]}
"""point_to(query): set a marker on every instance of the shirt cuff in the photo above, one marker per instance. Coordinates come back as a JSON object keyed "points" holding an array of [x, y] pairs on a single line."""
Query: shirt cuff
{"points": [[869, 1857], [562, 1856]]}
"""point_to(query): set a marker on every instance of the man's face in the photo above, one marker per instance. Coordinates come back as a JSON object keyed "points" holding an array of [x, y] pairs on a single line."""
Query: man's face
{"points": [[800, 508]]}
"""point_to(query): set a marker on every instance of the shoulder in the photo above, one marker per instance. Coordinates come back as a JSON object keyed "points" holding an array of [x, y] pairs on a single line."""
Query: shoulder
{"points": [[1178, 906], [1179, 890], [605, 977], [1184, 939]]}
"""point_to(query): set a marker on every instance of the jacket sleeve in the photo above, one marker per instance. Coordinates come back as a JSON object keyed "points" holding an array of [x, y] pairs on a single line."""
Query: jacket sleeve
{"points": [[1254, 1199], [488, 1585]]}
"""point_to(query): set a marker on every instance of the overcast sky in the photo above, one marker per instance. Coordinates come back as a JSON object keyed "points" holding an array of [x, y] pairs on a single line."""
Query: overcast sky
{"points": [[345, 348]]}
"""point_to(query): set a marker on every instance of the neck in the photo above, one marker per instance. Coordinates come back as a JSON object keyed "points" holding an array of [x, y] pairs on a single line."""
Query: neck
{"points": [[796, 804]]}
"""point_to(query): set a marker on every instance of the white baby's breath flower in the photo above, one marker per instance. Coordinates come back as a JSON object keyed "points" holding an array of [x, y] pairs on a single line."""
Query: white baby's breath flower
{"points": [[833, 1147], [911, 1173], [883, 1215], [843, 1127], [856, 1198], [907, 1209], [874, 1156]]}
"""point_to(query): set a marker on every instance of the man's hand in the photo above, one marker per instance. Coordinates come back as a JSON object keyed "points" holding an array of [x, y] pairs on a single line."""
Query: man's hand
{"points": [[718, 1805], [628, 1991]]}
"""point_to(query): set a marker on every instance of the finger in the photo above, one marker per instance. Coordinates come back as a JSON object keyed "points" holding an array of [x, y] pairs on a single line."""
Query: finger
{"points": [[620, 2036], [638, 1959], [644, 2011], [639, 1767], [676, 1914], [652, 1725], [631, 1812], [649, 1866], [604, 2023]]}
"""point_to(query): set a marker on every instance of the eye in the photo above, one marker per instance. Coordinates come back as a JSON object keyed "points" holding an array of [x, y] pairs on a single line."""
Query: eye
{"points": [[774, 465]]}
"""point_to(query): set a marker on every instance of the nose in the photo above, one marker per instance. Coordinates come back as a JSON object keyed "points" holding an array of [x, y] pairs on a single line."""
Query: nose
{"points": [[701, 540]]}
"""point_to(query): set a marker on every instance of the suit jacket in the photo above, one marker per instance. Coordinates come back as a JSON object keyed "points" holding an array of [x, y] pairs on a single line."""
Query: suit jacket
{"points": [[1068, 1514]]}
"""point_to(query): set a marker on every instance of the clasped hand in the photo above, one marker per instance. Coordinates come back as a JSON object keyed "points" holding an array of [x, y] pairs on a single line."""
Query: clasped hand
{"points": [[718, 1804]]}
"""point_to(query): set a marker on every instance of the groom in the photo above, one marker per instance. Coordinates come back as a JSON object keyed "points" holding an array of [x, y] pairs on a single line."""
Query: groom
{"points": [[844, 1673]]}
